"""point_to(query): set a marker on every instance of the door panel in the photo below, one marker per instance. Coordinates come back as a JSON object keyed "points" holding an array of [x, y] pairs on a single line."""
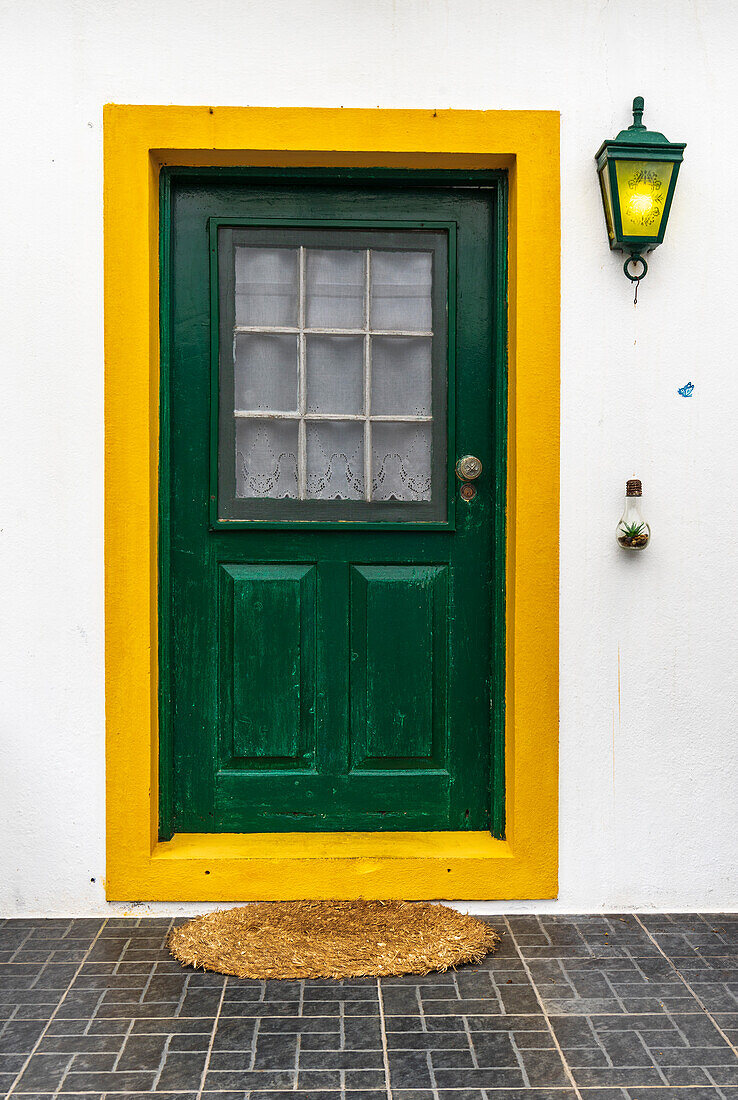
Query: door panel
{"points": [[267, 665], [332, 640], [399, 646]]}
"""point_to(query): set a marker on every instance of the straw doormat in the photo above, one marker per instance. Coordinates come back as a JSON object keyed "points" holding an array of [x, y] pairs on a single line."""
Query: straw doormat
{"points": [[332, 939]]}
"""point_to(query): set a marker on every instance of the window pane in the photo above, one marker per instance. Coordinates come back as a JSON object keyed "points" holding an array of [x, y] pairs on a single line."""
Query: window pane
{"points": [[335, 460], [401, 461], [266, 286], [401, 291], [401, 376], [265, 372], [335, 288], [335, 374], [266, 458]]}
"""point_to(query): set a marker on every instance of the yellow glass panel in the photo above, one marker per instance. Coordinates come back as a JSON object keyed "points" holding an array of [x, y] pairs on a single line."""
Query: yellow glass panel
{"points": [[642, 189], [607, 200]]}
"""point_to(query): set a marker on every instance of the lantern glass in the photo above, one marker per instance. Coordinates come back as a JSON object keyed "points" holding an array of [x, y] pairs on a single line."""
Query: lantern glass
{"points": [[607, 201], [643, 186]]}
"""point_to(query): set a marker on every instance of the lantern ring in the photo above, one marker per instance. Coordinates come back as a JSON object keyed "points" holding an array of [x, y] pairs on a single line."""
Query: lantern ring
{"points": [[635, 258]]}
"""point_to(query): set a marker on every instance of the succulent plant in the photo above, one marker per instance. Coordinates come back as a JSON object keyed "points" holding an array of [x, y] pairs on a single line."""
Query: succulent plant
{"points": [[632, 530]]}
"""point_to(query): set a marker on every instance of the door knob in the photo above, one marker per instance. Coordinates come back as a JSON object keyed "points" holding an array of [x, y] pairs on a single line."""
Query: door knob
{"points": [[468, 467]]}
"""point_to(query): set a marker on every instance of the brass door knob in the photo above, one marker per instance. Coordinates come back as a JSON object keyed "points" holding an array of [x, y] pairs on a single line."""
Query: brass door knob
{"points": [[468, 468]]}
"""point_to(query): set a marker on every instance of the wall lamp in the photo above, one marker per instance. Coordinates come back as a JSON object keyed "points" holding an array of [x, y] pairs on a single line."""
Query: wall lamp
{"points": [[638, 172]]}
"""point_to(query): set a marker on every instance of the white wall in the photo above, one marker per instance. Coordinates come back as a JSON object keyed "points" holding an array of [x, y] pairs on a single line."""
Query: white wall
{"points": [[648, 646]]}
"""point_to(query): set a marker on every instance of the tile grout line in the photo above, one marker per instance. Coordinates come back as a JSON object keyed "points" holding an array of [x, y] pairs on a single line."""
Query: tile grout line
{"points": [[162, 1062], [549, 1025], [686, 984], [20, 946], [52, 1017], [431, 1073], [385, 1053], [713, 1082], [649, 1054], [521, 1062], [211, 1044], [126, 1037], [63, 1077]]}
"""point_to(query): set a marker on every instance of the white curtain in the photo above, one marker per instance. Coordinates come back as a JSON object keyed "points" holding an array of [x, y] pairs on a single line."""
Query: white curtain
{"points": [[401, 376], [335, 460], [266, 458], [265, 372], [335, 374], [267, 282], [401, 291], [335, 288], [401, 461]]}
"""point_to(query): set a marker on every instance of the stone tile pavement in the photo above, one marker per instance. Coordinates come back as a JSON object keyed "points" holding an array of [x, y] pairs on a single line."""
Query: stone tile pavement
{"points": [[621, 1007]]}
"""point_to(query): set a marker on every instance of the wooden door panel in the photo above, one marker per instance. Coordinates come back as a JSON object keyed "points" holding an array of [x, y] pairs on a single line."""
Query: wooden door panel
{"points": [[399, 645], [292, 802], [331, 659], [267, 688]]}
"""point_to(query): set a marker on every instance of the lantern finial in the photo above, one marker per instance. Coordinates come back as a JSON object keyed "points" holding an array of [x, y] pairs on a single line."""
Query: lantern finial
{"points": [[637, 114]]}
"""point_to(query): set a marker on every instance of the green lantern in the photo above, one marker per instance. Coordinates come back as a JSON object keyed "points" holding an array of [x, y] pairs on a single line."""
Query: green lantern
{"points": [[638, 172]]}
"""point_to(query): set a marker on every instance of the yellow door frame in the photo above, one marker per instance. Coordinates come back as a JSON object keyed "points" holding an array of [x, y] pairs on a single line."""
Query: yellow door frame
{"points": [[138, 141]]}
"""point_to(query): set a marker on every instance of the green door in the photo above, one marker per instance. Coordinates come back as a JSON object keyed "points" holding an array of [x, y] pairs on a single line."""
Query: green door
{"points": [[330, 591]]}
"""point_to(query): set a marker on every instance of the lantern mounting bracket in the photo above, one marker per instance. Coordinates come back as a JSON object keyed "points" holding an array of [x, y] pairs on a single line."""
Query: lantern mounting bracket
{"points": [[634, 258]]}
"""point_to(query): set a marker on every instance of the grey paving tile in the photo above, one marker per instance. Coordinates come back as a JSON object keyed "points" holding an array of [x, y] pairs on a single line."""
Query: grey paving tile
{"points": [[317, 1079], [513, 1023], [181, 1072], [409, 1069], [495, 1049], [359, 1080], [686, 1076], [43, 1073], [724, 1075], [160, 1025], [459, 1058], [109, 1082], [544, 1067], [360, 1034], [279, 1024], [624, 1076], [424, 1040], [248, 1080], [234, 1034], [93, 1062], [695, 1056], [274, 1052], [341, 1059], [492, 1078], [20, 1036], [142, 1052], [256, 1009], [11, 1063]]}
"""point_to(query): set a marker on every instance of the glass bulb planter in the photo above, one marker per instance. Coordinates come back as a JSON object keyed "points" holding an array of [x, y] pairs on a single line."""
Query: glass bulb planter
{"points": [[633, 533]]}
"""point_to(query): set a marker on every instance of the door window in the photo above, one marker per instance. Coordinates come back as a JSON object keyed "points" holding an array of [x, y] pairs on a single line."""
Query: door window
{"points": [[332, 375]]}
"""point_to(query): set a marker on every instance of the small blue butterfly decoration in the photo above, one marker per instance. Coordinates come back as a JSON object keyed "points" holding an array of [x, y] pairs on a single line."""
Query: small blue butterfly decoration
{"points": [[686, 391]]}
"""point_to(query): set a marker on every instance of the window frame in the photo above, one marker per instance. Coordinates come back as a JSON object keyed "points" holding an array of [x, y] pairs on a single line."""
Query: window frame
{"points": [[414, 509]]}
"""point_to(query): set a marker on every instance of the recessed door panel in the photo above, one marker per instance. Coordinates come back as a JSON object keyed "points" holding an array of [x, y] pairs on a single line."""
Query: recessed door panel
{"points": [[399, 644], [267, 665]]}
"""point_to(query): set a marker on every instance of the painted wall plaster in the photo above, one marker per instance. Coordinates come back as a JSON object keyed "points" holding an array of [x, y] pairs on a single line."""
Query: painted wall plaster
{"points": [[649, 765]]}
